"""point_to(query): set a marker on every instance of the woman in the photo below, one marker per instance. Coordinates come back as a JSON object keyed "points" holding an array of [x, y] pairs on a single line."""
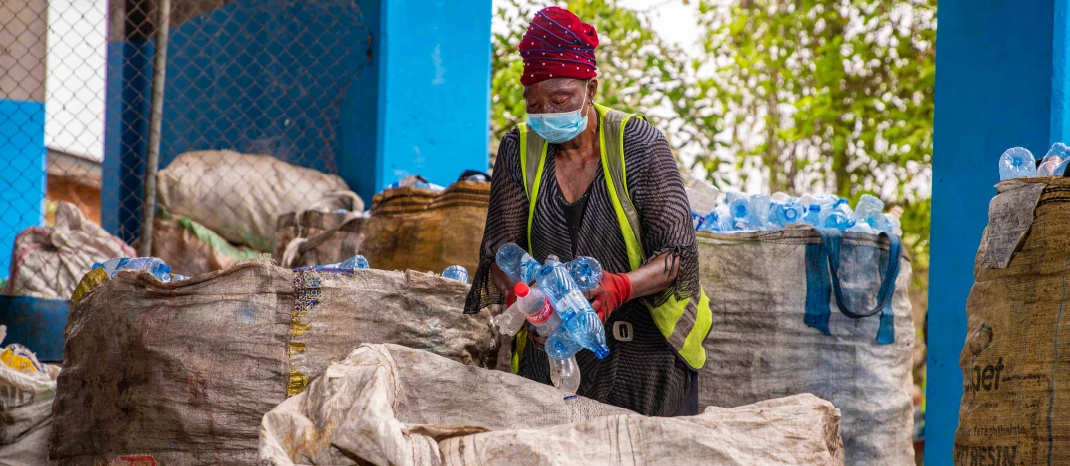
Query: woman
{"points": [[579, 179]]}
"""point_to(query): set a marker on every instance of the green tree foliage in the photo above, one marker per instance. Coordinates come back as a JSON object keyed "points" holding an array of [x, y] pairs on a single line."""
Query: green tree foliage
{"points": [[829, 95], [810, 95]]}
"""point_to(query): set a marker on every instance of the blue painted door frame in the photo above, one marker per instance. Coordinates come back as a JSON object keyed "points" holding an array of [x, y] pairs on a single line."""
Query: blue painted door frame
{"points": [[1001, 81]]}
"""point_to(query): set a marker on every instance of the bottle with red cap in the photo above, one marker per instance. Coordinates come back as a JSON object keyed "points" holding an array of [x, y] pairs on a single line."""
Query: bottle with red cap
{"points": [[531, 305]]}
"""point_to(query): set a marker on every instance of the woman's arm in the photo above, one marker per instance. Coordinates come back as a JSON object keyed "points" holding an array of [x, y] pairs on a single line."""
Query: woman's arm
{"points": [[654, 277], [506, 222]]}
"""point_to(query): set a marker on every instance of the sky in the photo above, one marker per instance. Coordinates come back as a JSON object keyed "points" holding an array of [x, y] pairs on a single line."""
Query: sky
{"points": [[74, 100]]}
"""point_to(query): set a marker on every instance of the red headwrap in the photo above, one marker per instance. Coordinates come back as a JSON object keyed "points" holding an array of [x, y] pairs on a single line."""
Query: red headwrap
{"points": [[558, 45]]}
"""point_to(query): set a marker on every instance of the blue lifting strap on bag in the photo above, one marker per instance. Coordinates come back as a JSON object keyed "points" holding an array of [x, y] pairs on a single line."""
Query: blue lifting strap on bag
{"points": [[823, 281]]}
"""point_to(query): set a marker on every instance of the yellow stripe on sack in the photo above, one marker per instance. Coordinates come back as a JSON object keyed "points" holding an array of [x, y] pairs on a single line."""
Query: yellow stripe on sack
{"points": [[89, 282], [296, 384]]}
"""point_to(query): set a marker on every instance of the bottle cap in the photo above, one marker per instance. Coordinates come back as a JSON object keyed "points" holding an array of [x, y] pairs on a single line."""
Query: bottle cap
{"points": [[521, 290]]}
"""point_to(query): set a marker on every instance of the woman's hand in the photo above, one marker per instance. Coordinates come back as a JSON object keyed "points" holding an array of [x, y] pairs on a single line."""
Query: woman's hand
{"points": [[614, 290]]}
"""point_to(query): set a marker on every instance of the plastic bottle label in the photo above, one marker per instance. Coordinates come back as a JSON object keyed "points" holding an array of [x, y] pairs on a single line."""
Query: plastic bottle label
{"points": [[542, 315]]}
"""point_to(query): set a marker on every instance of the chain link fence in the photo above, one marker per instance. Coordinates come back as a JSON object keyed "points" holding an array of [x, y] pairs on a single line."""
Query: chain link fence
{"points": [[267, 77]]}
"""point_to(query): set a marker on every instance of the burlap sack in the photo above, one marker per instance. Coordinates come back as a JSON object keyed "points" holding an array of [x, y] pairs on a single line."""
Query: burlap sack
{"points": [[48, 262], [190, 248], [304, 239], [419, 229], [761, 347], [385, 404], [25, 413], [183, 372], [1015, 402], [240, 196]]}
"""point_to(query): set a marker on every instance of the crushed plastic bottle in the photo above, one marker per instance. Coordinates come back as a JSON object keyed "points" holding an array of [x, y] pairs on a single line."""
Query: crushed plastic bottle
{"points": [[1061, 169], [478, 177], [743, 213], [1051, 161], [153, 265], [763, 205], [841, 217], [868, 211], [356, 262], [516, 263], [1055, 157], [456, 272], [577, 316], [565, 374], [703, 197], [1017, 162], [789, 212]]}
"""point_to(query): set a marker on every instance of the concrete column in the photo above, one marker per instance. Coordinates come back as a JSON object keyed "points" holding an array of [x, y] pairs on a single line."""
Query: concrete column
{"points": [[23, 28], [998, 85]]}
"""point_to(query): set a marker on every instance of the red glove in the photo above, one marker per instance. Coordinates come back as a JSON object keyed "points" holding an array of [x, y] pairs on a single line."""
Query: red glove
{"points": [[614, 290], [510, 298]]}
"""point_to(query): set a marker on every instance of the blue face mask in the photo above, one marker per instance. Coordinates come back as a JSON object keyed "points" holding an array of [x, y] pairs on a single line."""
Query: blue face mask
{"points": [[557, 128]]}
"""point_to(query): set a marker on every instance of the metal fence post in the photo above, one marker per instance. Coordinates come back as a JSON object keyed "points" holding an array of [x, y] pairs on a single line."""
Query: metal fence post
{"points": [[152, 156]]}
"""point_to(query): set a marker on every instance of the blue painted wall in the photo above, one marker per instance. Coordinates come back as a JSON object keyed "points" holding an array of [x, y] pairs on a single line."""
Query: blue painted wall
{"points": [[435, 98], [22, 172], [993, 91]]}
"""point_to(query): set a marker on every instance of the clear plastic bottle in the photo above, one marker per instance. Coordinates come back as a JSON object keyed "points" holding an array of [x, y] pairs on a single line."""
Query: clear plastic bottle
{"points": [[1017, 162], [819, 207], [1051, 161], [531, 306], [456, 272], [744, 215], [703, 197], [561, 345], [1061, 169], [789, 212], [565, 374], [723, 218], [586, 271], [577, 316], [356, 262], [153, 265], [868, 211], [841, 216], [516, 263], [762, 206]]}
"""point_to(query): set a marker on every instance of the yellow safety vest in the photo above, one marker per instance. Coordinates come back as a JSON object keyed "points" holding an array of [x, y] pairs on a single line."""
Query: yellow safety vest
{"points": [[684, 323]]}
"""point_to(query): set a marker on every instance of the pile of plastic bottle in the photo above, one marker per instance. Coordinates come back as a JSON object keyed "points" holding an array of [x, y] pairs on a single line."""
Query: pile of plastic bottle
{"points": [[358, 262], [758, 212], [153, 265], [1018, 162], [556, 310]]}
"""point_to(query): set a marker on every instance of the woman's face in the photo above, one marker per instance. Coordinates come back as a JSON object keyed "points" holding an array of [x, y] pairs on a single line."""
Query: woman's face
{"points": [[559, 95]]}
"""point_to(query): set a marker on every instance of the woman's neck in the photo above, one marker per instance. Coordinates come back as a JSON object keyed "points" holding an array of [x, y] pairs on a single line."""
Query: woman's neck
{"points": [[585, 140]]}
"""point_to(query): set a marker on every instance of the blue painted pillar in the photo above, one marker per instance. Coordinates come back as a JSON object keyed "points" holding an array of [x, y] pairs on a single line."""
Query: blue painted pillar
{"points": [[22, 122], [434, 90], [999, 84]]}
